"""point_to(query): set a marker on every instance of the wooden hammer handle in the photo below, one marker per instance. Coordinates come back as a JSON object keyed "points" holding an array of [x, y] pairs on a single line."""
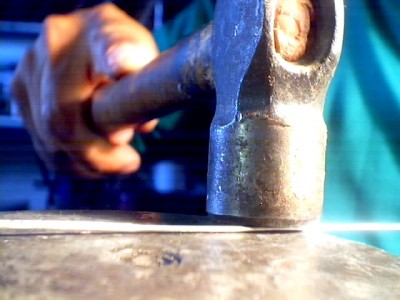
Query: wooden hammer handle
{"points": [[172, 81]]}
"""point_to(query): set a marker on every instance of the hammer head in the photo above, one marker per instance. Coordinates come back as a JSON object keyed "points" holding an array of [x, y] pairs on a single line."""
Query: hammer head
{"points": [[268, 136]]}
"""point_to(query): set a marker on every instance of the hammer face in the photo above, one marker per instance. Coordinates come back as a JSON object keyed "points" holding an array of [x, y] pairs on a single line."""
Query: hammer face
{"points": [[270, 171], [268, 136]]}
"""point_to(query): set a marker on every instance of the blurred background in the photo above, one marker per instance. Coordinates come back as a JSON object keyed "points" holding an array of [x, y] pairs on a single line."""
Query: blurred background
{"points": [[23, 179], [21, 182]]}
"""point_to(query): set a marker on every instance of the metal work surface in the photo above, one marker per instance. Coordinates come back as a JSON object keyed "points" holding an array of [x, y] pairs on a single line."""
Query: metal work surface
{"points": [[154, 265]]}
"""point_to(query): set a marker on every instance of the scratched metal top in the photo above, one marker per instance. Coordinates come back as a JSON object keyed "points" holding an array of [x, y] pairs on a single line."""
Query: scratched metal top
{"points": [[67, 264], [125, 222]]}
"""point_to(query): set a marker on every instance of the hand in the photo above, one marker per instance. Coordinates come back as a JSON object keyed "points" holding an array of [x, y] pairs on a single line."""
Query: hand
{"points": [[76, 56]]}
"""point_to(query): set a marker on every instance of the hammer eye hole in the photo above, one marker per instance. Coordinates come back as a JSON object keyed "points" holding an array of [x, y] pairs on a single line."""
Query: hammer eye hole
{"points": [[304, 30], [292, 26]]}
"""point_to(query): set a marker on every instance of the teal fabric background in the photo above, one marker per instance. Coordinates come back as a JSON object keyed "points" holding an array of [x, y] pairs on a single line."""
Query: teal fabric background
{"points": [[192, 18], [362, 113]]}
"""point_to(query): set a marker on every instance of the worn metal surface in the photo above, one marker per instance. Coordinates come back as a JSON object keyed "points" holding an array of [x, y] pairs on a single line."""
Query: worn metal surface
{"points": [[141, 222], [67, 265], [268, 136], [51, 222]]}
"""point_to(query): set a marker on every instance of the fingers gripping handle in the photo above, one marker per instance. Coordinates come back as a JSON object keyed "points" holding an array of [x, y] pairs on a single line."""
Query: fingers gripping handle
{"points": [[172, 81]]}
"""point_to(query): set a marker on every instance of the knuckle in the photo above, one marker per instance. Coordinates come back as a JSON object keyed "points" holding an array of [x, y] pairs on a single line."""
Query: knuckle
{"points": [[54, 22], [58, 32], [99, 21], [104, 11]]}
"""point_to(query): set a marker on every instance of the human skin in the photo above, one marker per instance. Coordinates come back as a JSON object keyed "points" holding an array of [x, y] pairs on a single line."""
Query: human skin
{"points": [[76, 56]]}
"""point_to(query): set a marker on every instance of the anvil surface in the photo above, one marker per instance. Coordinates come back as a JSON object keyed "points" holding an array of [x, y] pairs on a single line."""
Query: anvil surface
{"points": [[79, 264]]}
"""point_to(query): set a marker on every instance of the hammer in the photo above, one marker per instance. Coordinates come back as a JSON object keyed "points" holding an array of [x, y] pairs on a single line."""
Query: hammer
{"points": [[268, 136]]}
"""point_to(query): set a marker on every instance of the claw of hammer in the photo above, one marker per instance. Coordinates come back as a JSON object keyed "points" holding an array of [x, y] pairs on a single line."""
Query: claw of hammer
{"points": [[268, 136]]}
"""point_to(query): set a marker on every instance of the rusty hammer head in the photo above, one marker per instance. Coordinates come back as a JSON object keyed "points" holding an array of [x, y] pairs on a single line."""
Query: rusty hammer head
{"points": [[268, 136], [272, 62]]}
